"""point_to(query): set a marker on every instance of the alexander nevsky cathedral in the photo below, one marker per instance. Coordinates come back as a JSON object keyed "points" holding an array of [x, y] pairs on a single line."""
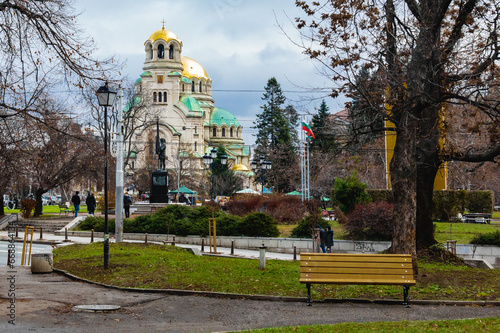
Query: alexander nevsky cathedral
{"points": [[177, 90]]}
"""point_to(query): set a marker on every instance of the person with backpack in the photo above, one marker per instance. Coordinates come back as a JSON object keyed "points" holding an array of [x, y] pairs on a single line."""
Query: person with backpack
{"points": [[127, 201]]}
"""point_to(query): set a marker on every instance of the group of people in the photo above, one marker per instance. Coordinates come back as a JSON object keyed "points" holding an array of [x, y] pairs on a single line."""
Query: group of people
{"points": [[91, 203], [325, 239]]}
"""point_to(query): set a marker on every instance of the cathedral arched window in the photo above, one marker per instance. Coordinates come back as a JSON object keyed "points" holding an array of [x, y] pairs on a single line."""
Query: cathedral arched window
{"points": [[154, 97], [183, 87], [195, 146], [200, 87], [159, 97], [223, 132], [171, 52], [150, 52], [231, 132], [161, 51], [192, 86], [214, 132], [165, 97]]}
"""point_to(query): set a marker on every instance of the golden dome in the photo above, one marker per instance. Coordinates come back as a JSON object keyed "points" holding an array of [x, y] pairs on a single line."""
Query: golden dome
{"points": [[191, 68], [240, 167], [166, 35]]}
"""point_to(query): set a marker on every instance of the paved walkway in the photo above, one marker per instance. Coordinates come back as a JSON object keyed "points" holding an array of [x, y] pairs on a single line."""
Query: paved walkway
{"points": [[44, 303]]}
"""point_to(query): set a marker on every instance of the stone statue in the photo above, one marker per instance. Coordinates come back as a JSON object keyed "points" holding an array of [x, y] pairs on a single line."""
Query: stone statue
{"points": [[161, 153]]}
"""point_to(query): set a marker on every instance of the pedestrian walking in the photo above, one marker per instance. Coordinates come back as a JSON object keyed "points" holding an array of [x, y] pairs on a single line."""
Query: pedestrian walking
{"points": [[127, 201], [76, 202], [91, 203], [329, 239], [322, 238]]}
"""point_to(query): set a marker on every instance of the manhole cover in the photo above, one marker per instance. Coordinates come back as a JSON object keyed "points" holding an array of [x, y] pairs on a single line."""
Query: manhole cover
{"points": [[96, 308]]}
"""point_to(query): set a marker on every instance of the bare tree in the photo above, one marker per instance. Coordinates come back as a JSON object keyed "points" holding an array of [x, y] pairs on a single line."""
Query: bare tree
{"points": [[424, 56]]}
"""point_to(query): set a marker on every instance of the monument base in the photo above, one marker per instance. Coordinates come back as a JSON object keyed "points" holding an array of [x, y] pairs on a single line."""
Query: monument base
{"points": [[159, 187]]}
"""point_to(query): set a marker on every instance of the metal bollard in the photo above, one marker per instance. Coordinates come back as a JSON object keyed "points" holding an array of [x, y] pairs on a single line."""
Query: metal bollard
{"points": [[17, 233], [203, 245], [146, 239], [294, 253], [66, 239], [232, 248], [41, 233], [92, 236], [262, 261]]}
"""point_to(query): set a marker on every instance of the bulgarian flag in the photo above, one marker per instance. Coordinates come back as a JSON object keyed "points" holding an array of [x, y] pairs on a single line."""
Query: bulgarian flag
{"points": [[309, 132]]}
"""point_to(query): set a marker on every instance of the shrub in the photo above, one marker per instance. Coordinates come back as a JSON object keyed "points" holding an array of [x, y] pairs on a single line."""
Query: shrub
{"points": [[96, 223], [447, 204], [380, 195], [27, 206], [287, 209], [244, 205], [480, 201], [258, 225], [303, 228], [490, 238], [372, 221], [349, 192], [228, 225]]}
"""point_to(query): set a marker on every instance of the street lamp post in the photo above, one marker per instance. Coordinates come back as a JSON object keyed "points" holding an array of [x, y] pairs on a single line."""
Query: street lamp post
{"points": [[264, 165], [209, 160], [106, 97]]}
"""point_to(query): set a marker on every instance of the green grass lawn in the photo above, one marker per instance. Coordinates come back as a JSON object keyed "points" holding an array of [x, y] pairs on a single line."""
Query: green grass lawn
{"points": [[163, 267], [47, 210], [461, 325]]}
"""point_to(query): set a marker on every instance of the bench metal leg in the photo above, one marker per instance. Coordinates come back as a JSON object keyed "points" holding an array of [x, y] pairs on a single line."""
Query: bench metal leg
{"points": [[406, 297], [308, 285]]}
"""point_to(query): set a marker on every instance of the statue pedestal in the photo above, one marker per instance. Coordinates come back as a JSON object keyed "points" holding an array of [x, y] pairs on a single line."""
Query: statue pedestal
{"points": [[159, 187]]}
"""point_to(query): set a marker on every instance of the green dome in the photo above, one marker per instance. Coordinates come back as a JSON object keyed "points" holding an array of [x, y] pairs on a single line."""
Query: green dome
{"points": [[191, 103], [221, 117]]}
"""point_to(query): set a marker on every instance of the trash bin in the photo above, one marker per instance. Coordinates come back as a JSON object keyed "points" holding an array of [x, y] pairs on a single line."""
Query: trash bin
{"points": [[41, 263]]}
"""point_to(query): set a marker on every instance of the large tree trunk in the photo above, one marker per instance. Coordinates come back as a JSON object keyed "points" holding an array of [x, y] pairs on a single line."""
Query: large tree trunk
{"points": [[404, 186], [425, 206], [39, 204]]}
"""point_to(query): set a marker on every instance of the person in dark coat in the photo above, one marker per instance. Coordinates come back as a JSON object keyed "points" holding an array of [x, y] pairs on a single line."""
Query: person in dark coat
{"points": [[322, 238], [76, 202], [127, 201], [91, 203], [329, 239]]}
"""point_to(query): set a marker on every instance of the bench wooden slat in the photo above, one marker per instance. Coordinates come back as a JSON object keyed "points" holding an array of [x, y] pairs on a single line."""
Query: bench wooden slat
{"points": [[326, 264], [363, 281], [359, 270], [354, 258]]}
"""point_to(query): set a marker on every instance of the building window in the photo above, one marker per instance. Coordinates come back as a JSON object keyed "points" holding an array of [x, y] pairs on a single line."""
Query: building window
{"points": [[200, 87], [133, 164], [159, 97], [223, 132], [164, 97], [154, 97], [150, 52], [161, 51], [231, 132], [192, 86], [159, 79], [214, 132], [183, 87], [195, 129], [171, 52], [195, 146]]}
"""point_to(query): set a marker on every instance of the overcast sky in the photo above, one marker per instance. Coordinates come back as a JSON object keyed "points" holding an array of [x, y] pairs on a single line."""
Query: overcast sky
{"points": [[239, 43]]}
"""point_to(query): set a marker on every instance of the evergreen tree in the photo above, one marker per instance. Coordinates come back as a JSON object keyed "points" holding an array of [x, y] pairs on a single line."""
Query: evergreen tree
{"points": [[226, 182], [325, 139], [275, 137]]}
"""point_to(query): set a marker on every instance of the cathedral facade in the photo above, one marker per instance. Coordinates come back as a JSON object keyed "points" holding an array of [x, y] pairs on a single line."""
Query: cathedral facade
{"points": [[177, 90]]}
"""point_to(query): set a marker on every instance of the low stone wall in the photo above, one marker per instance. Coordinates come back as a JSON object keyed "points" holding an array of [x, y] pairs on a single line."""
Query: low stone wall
{"points": [[286, 245]]}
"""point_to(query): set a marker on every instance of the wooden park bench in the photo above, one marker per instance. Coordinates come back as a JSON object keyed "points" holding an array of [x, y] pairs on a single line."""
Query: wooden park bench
{"points": [[368, 269], [63, 208]]}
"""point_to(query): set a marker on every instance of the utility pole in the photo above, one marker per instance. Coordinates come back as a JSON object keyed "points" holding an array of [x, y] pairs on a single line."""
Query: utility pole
{"points": [[119, 172]]}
